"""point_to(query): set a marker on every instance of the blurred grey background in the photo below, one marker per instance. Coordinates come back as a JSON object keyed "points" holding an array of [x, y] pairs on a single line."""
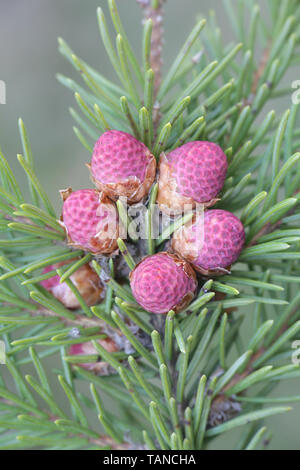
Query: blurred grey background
{"points": [[28, 63]]}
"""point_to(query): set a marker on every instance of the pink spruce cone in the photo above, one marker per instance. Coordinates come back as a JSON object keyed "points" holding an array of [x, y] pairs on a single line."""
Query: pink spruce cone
{"points": [[190, 174], [100, 367], [163, 282], [90, 220], [122, 166], [213, 243], [86, 281]]}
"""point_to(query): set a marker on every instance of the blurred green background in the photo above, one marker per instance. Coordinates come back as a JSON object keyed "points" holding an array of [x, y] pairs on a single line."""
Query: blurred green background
{"points": [[28, 63]]}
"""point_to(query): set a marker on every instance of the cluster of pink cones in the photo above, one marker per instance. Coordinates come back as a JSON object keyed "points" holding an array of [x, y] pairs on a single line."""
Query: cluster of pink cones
{"points": [[121, 166]]}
